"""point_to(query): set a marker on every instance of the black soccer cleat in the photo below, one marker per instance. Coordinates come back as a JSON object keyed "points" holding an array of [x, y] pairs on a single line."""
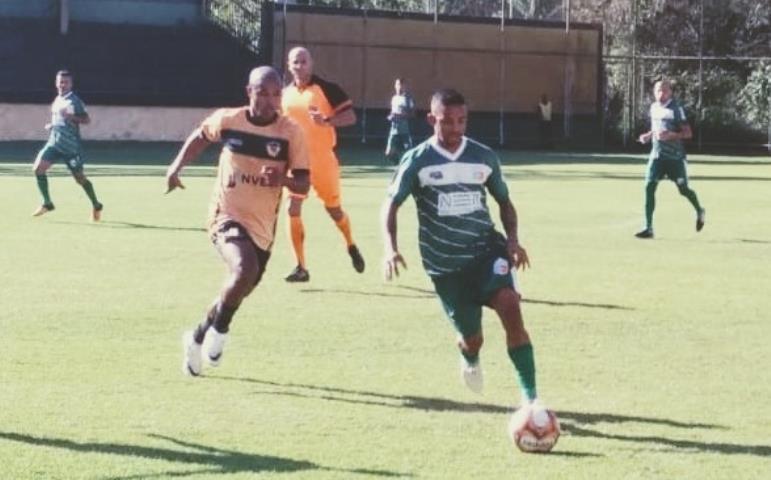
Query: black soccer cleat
{"points": [[700, 219], [647, 233], [356, 259], [299, 274]]}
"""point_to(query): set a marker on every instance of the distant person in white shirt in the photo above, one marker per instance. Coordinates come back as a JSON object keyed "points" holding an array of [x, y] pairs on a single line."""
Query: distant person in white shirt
{"points": [[402, 109], [544, 121]]}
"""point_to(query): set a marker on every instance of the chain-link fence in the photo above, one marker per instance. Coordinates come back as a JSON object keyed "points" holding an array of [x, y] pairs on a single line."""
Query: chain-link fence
{"points": [[717, 52]]}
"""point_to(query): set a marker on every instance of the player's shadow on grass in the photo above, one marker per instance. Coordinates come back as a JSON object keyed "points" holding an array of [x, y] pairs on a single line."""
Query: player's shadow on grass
{"points": [[750, 240], [209, 459], [424, 293], [116, 224], [144, 226], [573, 423]]}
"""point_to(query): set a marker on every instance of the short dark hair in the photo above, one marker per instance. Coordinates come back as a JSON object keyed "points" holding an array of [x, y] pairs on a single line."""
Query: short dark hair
{"points": [[64, 73], [447, 97]]}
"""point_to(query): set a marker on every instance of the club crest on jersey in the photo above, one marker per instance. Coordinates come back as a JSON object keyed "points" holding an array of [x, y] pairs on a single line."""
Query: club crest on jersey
{"points": [[273, 148]]}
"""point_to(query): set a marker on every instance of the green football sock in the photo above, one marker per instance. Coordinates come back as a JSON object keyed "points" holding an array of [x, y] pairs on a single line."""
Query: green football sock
{"points": [[42, 185], [89, 188], [650, 203], [691, 196], [524, 362]]}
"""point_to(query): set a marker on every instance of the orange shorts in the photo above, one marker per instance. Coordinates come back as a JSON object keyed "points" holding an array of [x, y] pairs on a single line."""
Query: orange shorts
{"points": [[325, 178]]}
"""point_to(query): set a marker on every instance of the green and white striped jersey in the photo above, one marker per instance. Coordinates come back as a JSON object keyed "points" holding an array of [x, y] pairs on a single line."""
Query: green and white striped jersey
{"points": [[65, 136], [455, 227], [669, 117]]}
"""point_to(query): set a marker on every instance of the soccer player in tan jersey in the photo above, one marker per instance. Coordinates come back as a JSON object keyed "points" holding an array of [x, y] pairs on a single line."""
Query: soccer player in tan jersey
{"points": [[318, 106], [263, 151]]}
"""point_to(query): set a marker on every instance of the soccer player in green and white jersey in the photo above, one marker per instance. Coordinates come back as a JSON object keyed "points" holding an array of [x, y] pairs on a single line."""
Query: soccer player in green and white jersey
{"points": [[669, 128], [470, 263], [67, 114], [402, 109]]}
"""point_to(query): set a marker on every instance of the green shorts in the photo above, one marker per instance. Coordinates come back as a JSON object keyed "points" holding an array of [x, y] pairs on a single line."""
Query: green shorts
{"points": [[675, 170], [399, 142], [464, 293], [73, 161]]}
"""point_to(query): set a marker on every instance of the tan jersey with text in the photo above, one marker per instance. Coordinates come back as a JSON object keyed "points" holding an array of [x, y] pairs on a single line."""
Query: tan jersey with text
{"points": [[249, 150]]}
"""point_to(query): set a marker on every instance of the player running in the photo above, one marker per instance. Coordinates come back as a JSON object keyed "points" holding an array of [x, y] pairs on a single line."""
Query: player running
{"points": [[262, 152], [669, 128], [469, 262], [318, 106], [68, 113]]}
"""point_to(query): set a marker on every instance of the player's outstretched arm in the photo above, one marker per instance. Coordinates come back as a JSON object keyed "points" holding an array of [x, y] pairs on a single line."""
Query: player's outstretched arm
{"points": [[685, 133], [344, 116], [517, 253], [195, 144], [82, 119], [299, 182], [393, 259]]}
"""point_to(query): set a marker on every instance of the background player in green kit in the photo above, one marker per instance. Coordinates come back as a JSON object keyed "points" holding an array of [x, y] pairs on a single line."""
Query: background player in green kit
{"points": [[402, 109], [469, 262], [67, 114], [669, 128]]}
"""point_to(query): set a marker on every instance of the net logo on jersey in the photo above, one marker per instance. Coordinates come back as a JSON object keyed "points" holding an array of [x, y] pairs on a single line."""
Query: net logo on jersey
{"points": [[435, 175], [459, 203]]}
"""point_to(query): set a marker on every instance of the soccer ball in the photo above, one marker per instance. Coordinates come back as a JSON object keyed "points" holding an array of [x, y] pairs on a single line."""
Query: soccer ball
{"points": [[534, 429]]}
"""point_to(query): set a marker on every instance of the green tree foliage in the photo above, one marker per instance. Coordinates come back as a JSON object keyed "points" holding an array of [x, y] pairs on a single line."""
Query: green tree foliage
{"points": [[756, 95]]}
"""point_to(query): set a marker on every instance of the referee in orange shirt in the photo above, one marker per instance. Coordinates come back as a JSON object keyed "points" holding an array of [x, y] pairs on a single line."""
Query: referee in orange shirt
{"points": [[318, 106]]}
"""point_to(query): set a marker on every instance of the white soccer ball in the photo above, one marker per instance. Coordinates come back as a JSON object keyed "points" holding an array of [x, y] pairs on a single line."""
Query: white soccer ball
{"points": [[534, 429]]}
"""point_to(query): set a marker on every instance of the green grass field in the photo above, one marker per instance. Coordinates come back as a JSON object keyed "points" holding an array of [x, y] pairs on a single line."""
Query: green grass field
{"points": [[653, 353]]}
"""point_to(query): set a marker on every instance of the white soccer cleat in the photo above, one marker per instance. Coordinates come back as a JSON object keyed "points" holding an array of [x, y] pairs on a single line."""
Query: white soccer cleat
{"points": [[215, 346], [471, 373], [191, 364]]}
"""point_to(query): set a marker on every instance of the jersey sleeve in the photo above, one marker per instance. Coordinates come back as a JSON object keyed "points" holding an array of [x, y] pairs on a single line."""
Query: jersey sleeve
{"points": [[336, 97], [680, 119], [78, 106], [211, 127], [410, 104], [405, 180], [496, 184], [299, 159]]}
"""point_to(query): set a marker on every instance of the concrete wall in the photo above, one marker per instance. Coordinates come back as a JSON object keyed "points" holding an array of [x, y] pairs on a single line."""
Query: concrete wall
{"points": [[28, 8], [495, 69], [144, 12], [25, 122], [141, 12]]}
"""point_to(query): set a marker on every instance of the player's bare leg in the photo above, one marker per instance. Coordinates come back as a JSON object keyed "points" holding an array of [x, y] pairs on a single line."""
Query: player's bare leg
{"points": [[344, 225], [506, 303], [243, 272], [40, 167], [297, 235]]}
